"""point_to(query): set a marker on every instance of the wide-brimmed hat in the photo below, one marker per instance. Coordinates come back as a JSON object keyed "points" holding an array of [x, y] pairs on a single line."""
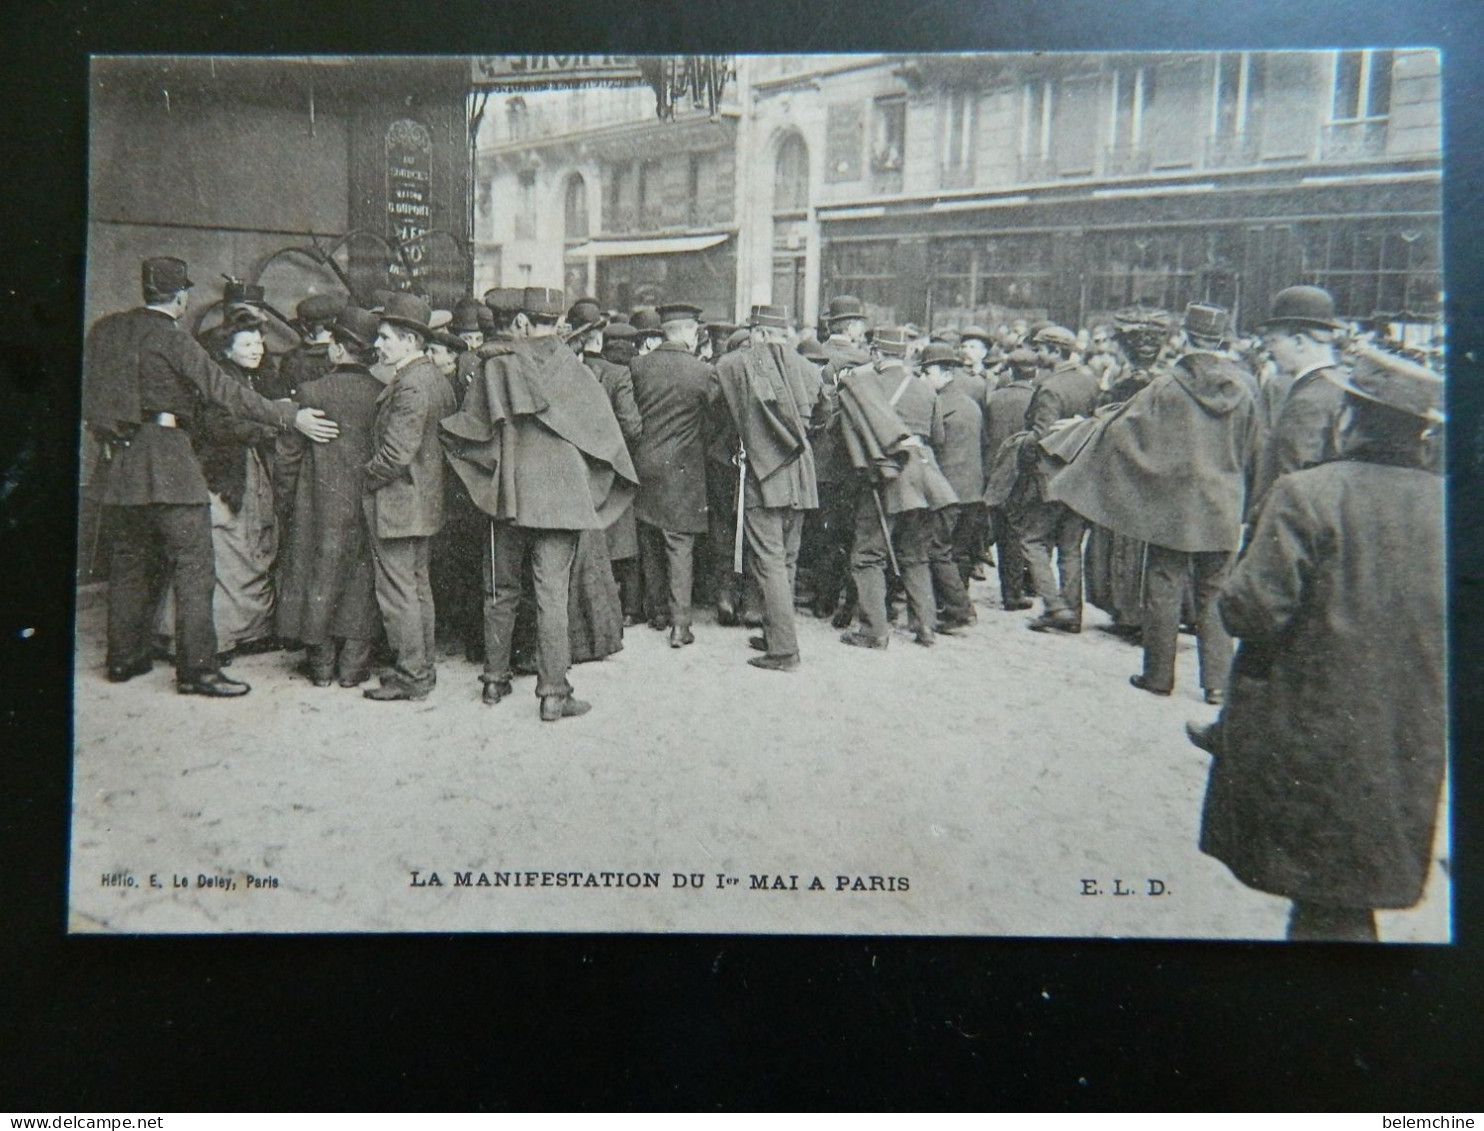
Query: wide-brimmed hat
{"points": [[1303, 306], [1394, 382], [164, 273], [409, 312], [843, 308], [357, 324], [940, 353]]}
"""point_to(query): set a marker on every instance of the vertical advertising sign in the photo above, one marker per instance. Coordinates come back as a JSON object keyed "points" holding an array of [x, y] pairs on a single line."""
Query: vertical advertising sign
{"points": [[409, 183]]}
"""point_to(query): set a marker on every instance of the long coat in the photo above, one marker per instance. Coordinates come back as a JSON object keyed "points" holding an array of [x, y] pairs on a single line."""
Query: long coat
{"points": [[1172, 465], [885, 440], [958, 438], [404, 477], [326, 585], [770, 393], [618, 384], [1333, 739], [222, 440], [1304, 433], [674, 391]]}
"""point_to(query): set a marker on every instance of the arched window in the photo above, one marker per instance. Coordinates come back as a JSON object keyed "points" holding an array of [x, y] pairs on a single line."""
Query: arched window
{"points": [[791, 176], [576, 208]]}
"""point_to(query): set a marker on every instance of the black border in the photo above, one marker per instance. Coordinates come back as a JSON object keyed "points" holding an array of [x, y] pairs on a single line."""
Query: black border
{"points": [[468, 1022]]}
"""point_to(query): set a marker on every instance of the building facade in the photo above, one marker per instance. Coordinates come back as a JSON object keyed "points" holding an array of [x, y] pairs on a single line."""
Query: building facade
{"points": [[950, 189]]}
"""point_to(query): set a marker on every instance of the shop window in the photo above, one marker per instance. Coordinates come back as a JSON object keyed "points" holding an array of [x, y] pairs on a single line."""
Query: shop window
{"points": [[866, 269], [990, 281], [791, 175], [1372, 270], [1166, 269]]}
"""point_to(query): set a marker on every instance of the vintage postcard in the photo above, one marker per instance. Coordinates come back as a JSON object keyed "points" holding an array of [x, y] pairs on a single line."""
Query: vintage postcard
{"points": [[940, 494]]}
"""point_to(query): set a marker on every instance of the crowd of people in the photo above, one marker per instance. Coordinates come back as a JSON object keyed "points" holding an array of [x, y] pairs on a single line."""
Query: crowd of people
{"points": [[533, 477]]}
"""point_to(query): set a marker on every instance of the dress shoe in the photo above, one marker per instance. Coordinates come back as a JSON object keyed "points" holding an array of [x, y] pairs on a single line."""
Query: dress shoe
{"points": [[1063, 621], [397, 689], [843, 616], [554, 707], [726, 612], [776, 663], [495, 690], [213, 685], [1144, 685], [257, 647], [122, 673], [1018, 606], [757, 643], [1206, 736], [320, 680], [680, 637], [355, 678], [1215, 696], [864, 640]]}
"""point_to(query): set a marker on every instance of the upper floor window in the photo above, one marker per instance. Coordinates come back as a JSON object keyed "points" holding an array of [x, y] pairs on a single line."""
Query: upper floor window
{"points": [[575, 212], [888, 143], [1362, 85], [958, 130], [791, 175], [525, 216]]}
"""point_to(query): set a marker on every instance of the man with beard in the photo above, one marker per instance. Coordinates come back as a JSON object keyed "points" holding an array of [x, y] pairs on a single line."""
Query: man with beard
{"points": [[539, 448]]}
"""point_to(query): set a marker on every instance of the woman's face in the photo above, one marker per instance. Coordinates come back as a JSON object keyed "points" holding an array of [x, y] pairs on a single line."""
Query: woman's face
{"points": [[246, 348]]}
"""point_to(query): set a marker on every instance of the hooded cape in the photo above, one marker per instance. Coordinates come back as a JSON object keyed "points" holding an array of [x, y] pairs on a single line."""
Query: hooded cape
{"points": [[878, 442]]}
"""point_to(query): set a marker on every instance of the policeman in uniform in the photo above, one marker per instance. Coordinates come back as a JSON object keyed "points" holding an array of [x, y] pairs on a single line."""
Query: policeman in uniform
{"points": [[145, 380]]}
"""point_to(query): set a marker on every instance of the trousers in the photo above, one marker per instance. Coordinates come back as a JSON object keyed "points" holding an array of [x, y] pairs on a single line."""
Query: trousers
{"points": [[156, 545], [667, 559], [773, 535], [1015, 580], [1165, 572], [551, 554], [404, 593], [953, 529], [1052, 528], [910, 532]]}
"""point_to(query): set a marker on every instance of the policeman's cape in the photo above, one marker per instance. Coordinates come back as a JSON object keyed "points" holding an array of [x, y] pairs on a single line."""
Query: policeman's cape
{"points": [[878, 442], [534, 430]]}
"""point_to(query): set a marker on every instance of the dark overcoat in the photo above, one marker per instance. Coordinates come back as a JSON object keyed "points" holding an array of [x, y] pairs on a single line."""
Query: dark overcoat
{"points": [[1171, 466], [404, 476], [618, 384], [958, 438], [1304, 435], [831, 460], [326, 585], [675, 391], [1333, 738], [222, 440], [770, 394], [885, 440]]}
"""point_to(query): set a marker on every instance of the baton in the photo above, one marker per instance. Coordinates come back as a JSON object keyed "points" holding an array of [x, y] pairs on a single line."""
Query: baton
{"points": [[741, 458], [891, 555]]}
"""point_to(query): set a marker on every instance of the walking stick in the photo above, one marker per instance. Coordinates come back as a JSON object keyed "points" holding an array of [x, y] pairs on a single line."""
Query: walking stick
{"points": [[741, 460], [891, 554]]}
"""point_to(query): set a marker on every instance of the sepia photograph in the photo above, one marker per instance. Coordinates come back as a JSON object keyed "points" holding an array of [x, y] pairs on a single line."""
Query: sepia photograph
{"points": [[945, 494]]}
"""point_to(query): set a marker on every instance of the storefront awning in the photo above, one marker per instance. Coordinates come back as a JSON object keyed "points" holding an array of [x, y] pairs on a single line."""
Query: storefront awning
{"points": [[653, 245]]}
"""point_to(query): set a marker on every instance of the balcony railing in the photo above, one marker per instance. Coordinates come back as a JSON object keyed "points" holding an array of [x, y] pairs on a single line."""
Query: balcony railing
{"points": [[1359, 140]]}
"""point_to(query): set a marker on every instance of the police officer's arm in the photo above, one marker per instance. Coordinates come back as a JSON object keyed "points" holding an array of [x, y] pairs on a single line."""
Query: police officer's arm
{"points": [[1268, 586], [402, 436], [193, 363]]}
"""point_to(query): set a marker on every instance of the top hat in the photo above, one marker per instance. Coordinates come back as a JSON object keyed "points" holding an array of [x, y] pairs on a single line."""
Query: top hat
{"points": [[1054, 335], [164, 273], [504, 300], [940, 353], [976, 334], [1394, 382], [1304, 306], [769, 314], [408, 311], [319, 308], [1206, 320], [586, 312], [646, 320], [356, 324], [542, 302], [678, 312], [891, 340], [470, 316], [810, 348], [236, 292], [843, 308]]}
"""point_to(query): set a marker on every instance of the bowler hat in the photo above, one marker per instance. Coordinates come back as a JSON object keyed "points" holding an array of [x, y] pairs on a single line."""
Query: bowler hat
{"points": [[892, 340], [1304, 306], [1206, 320], [940, 353], [470, 316], [843, 308], [357, 324], [586, 312], [319, 308], [1394, 382], [408, 311], [769, 314], [810, 348], [542, 302], [164, 273], [646, 320], [238, 292], [678, 312]]}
